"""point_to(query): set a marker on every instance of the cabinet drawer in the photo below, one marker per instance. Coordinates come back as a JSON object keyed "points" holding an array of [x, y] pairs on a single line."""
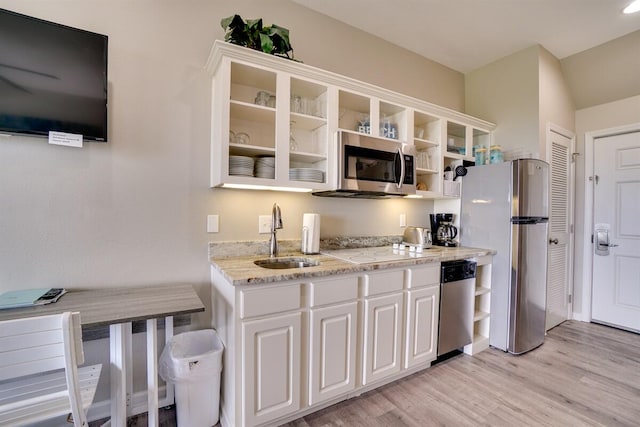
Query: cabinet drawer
{"points": [[424, 276], [333, 291], [270, 300], [383, 282]]}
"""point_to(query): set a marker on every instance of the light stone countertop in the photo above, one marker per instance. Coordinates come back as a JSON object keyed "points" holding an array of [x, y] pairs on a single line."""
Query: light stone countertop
{"points": [[242, 271]]}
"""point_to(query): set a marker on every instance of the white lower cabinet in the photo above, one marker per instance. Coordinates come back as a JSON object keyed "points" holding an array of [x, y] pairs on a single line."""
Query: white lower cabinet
{"points": [[422, 326], [332, 361], [271, 365], [294, 346], [382, 337], [333, 337], [383, 316], [422, 314]]}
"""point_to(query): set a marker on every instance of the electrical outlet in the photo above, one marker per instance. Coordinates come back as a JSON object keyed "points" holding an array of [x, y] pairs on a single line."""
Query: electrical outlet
{"points": [[264, 224], [403, 220], [212, 223]]}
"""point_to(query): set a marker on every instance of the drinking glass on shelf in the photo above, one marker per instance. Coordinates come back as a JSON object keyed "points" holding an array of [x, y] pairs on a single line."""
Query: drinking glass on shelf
{"points": [[232, 137], [242, 138], [296, 104], [272, 101], [262, 98], [317, 107]]}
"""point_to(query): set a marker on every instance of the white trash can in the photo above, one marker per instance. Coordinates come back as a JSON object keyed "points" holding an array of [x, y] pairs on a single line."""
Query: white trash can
{"points": [[193, 362]]}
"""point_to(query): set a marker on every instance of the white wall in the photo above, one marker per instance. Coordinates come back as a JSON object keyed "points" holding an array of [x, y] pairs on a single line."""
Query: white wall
{"points": [[506, 92], [133, 211], [606, 116], [522, 93], [556, 104], [604, 73]]}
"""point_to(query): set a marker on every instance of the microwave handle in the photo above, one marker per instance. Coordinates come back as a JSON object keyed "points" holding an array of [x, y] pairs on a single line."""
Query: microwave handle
{"points": [[402, 168]]}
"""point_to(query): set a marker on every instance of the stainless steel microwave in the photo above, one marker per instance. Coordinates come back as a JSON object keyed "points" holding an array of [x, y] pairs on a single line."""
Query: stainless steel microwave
{"points": [[370, 167]]}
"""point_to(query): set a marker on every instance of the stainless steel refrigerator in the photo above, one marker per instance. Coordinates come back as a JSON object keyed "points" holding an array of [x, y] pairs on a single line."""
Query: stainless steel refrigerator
{"points": [[505, 207]]}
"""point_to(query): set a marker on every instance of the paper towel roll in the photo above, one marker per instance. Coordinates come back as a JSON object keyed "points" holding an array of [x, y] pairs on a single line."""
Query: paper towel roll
{"points": [[310, 233]]}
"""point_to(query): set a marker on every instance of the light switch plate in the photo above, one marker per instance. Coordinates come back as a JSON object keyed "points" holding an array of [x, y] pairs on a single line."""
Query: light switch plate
{"points": [[403, 220], [212, 223], [264, 224]]}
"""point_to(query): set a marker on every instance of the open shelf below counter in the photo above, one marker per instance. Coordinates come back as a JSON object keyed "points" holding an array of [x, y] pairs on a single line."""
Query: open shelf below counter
{"points": [[480, 290], [479, 315], [480, 343]]}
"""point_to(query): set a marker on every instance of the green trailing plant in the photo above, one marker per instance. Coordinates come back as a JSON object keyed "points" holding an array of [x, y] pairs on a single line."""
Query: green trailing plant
{"points": [[271, 39]]}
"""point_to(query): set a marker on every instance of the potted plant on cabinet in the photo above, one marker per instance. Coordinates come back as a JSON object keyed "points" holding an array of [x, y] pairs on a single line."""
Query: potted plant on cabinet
{"points": [[271, 39]]}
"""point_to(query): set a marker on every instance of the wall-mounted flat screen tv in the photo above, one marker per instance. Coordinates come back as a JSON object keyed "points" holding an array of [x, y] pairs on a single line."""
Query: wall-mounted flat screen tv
{"points": [[52, 78]]}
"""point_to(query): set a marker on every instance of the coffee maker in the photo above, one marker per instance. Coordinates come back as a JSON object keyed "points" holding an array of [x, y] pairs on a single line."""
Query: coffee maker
{"points": [[443, 231]]}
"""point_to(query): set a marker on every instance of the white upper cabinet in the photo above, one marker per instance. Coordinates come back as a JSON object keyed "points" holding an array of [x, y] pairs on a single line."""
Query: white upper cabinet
{"points": [[274, 123]]}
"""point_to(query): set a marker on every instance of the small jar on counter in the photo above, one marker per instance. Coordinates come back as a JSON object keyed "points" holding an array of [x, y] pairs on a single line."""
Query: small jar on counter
{"points": [[495, 154]]}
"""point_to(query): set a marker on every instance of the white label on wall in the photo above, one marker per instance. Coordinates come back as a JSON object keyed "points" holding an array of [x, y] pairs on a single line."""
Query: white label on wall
{"points": [[66, 139]]}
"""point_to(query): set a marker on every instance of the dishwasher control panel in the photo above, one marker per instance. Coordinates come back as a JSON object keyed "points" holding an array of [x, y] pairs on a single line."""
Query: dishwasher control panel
{"points": [[452, 271]]}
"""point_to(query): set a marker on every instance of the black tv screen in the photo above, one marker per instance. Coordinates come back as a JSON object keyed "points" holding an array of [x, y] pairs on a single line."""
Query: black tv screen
{"points": [[52, 78]]}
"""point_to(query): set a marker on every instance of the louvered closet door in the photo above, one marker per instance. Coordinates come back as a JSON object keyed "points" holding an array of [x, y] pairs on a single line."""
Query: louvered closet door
{"points": [[560, 254]]}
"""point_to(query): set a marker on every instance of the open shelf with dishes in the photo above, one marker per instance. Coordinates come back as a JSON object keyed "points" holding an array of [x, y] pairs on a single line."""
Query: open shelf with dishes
{"points": [[391, 121], [426, 139], [457, 140], [308, 132], [481, 146], [354, 112], [284, 115]]}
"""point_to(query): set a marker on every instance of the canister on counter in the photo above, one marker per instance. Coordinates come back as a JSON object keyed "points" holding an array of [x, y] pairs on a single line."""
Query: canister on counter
{"points": [[495, 154]]}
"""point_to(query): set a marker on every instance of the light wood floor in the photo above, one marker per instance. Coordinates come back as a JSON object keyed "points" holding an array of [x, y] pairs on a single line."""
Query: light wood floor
{"points": [[583, 375]]}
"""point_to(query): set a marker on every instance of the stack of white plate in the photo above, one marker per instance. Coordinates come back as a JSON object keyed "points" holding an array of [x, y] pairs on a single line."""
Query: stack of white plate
{"points": [[266, 167], [306, 174], [241, 165]]}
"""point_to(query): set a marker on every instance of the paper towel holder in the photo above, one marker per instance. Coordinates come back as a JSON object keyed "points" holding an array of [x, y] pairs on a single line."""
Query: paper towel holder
{"points": [[310, 234]]}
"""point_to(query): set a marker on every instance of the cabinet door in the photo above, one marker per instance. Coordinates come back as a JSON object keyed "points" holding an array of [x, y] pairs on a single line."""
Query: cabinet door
{"points": [[382, 337], [422, 326], [332, 364], [271, 365]]}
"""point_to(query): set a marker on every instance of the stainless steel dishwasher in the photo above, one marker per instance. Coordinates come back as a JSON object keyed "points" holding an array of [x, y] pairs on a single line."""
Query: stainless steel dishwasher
{"points": [[457, 292]]}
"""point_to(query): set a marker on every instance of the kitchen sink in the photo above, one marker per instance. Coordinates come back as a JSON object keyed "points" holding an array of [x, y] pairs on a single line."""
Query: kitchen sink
{"points": [[289, 262]]}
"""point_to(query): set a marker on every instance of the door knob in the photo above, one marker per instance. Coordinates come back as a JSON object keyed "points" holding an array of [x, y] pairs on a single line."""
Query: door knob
{"points": [[602, 240], [554, 241]]}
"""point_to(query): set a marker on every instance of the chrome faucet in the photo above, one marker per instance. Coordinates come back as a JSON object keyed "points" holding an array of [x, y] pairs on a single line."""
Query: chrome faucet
{"points": [[276, 223]]}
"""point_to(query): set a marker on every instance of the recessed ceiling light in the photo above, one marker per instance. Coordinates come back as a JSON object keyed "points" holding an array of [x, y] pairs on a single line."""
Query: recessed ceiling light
{"points": [[633, 7]]}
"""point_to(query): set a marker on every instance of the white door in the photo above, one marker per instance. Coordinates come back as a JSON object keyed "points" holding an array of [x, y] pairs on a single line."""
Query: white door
{"points": [[616, 261], [332, 364], [382, 336], [560, 249]]}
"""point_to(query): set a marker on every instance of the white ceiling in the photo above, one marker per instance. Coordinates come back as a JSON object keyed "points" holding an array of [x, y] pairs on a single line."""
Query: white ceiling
{"points": [[468, 34]]}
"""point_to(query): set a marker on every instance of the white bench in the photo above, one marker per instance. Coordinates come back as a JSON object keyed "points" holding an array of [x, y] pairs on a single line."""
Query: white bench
{"points": [[39, 374]]}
